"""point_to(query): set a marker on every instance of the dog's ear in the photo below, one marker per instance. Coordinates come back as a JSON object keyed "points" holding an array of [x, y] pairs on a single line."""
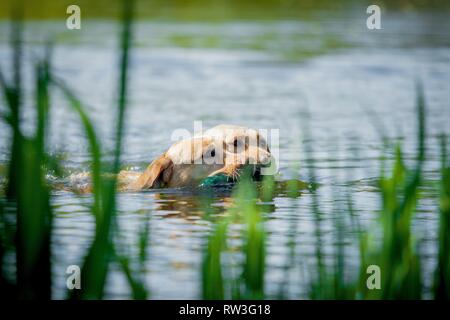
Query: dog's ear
{"points": [[156, 175]]}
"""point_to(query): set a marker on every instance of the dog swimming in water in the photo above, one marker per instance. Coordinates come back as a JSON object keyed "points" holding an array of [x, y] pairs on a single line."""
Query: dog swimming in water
{"points": [[224, 150]]}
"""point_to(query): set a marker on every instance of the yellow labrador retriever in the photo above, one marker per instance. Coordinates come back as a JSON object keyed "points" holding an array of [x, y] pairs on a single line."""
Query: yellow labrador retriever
{"points": [[224, 149]]}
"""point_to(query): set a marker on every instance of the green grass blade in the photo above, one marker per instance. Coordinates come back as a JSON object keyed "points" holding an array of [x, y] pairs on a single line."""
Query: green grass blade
{"points": [[212, 274], [94, 146], [442, 273]]}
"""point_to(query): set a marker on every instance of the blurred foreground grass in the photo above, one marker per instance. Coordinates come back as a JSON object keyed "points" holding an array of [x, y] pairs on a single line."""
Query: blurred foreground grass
{"points": [[27, 200], [389, 246]]}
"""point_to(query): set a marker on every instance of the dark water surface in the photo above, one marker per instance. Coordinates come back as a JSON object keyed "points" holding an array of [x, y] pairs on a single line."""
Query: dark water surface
{"points": [[269, 75]]}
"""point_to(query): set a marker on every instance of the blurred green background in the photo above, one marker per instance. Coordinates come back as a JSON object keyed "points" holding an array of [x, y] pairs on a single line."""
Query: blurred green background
{"points": [[208, 9]]}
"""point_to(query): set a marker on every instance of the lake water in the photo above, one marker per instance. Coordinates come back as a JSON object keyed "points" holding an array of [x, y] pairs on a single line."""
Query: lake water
{"points": [[328, 74]]}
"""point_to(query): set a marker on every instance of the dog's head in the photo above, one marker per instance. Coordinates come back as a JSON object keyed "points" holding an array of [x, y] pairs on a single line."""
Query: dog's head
{"points": [[242, 148], [223, 149]]}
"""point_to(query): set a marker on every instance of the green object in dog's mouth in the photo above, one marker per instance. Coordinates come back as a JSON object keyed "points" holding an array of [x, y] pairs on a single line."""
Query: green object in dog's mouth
{"points": [[222, 179], [218, 179]]}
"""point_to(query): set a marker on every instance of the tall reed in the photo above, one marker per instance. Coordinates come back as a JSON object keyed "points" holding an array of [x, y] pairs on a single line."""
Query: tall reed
{"points": [[397, 257], [442, 273], [102, 250], [27, 192], [245, 281]]}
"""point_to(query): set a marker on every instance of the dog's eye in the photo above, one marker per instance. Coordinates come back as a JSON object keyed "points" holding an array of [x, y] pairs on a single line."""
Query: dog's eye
{"points": [[237, 143], [213, 153]]}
